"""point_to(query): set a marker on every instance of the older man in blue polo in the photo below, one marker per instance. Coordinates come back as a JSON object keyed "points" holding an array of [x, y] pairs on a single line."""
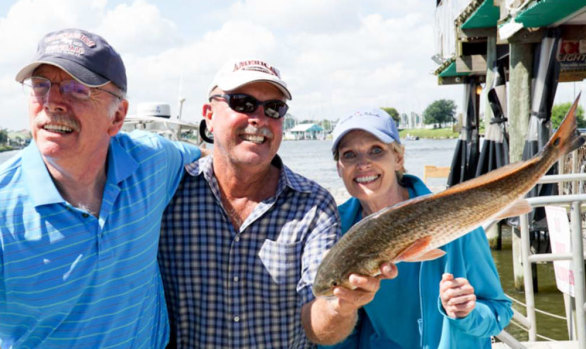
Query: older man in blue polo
{"points": [[81, 208]]}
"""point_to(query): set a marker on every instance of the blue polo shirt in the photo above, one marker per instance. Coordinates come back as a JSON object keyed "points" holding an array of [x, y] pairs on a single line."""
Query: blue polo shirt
{"points": [[72, 280]]}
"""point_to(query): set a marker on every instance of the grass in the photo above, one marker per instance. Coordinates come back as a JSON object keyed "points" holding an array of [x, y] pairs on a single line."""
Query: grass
{"points": [[436, 133]]}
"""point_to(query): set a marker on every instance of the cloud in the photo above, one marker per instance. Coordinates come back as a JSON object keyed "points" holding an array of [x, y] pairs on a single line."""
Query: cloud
{"points": [[334, 54], [308, 16], [139, 28]]}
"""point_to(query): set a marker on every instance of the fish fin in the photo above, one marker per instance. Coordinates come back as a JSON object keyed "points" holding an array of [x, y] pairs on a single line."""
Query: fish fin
{"points": [[414, 250], [427, 256], [566, 138], [518, 208]]}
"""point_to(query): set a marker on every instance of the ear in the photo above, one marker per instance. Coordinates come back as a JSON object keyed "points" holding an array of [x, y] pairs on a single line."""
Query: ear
{"points": [[338, 169], [399, 157], [118, 118], [207, 114]]}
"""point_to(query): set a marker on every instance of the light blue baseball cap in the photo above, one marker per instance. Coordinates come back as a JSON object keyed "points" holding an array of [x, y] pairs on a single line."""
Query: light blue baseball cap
{"points": [[372, 120]]}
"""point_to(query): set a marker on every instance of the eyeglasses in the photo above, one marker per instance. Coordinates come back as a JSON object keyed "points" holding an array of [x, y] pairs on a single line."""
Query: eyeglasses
{"points": [[40, 87], [243, 103]]}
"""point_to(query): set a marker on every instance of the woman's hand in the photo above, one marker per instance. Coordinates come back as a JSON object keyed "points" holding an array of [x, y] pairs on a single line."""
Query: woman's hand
{"points": [[457, 296]]}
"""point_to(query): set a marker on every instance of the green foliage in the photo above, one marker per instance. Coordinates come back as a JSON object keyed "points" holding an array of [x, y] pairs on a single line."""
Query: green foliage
{"points": [[559, 111], [440, 112], [3, 136], [393, 113], [436, 133], [326, 124]]}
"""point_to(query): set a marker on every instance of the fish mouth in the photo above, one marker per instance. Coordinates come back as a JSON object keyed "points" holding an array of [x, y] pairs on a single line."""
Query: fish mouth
{"points": [[366, 179], [323, 292]]}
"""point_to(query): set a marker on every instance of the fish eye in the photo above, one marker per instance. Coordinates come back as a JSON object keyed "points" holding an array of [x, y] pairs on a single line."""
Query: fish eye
{"points": [[334, 283]]}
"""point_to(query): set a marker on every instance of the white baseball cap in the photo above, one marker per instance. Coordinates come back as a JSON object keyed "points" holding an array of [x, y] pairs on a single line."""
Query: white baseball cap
{"points": [[372, 120], [241, 72]]}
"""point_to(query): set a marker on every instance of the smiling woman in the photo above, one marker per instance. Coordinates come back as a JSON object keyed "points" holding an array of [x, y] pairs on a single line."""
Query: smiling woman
{"points": [[373, 173]]}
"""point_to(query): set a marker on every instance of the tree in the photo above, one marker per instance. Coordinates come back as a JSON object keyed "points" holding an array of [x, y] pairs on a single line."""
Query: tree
{"points": [[559, 111], [440, 112], [393, 113], [3, 136], [326, 124]]}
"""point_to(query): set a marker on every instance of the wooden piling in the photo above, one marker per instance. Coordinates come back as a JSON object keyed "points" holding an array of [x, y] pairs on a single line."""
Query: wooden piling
{"points": [[519, 107], [493, 232]]}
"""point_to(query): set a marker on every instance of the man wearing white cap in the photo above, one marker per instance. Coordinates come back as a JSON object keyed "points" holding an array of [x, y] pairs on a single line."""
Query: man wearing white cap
{"points": [[81, 208], [243, 237]]}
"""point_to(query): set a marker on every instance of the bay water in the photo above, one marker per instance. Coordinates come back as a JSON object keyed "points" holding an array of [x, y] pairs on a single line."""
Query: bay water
{"points": [[313, 159], [5, 155]]}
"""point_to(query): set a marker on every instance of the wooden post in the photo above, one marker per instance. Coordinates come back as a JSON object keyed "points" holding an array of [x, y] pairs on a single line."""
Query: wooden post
{"points": [[519, 107], [493, 233]]}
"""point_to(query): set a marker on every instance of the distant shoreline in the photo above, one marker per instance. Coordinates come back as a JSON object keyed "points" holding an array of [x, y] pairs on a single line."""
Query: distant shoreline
{"points": [[436, 133], [4, 148]]}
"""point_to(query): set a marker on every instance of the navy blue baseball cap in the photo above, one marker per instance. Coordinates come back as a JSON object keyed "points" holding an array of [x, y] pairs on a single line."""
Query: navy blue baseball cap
{"points": [[84, 55]]}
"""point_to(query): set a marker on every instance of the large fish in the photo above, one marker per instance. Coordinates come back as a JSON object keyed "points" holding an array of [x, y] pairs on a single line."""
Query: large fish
{"points": [[413, 230]]}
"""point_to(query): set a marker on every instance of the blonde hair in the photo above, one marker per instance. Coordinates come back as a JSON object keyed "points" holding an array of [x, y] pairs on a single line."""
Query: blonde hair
{"points": [[399, 149]]}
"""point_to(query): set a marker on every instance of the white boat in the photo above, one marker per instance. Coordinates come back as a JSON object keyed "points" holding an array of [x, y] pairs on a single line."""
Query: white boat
{"points": [[156, 118]]}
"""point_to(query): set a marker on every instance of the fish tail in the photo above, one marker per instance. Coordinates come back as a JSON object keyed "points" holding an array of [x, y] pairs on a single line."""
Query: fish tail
{"points": [[567, 138]]}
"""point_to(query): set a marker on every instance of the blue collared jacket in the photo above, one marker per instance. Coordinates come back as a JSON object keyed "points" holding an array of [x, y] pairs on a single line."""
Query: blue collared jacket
{"points": [[407, 312]]}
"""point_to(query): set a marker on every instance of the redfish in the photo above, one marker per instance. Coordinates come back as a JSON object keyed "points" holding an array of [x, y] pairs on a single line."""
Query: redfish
{"points": [[415, 229]]}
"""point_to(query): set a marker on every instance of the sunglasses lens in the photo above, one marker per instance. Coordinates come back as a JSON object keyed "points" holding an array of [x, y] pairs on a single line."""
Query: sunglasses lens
{"points": [[243, 103], [275, 109]]}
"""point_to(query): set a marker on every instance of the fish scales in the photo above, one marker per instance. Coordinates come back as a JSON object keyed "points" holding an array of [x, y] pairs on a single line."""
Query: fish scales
{"points": [[441, 217]]}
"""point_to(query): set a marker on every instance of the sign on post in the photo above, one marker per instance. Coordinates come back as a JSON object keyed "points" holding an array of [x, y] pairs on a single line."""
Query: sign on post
{"points": [[558, 225]]}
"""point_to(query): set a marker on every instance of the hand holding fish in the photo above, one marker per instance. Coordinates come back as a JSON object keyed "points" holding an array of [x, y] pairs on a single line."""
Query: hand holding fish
{"points": [[333, 318], [457, 296], [363, 289]]}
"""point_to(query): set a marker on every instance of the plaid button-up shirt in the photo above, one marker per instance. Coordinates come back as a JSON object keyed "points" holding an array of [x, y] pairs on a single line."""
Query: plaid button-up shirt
{"points": [[243, 289]]}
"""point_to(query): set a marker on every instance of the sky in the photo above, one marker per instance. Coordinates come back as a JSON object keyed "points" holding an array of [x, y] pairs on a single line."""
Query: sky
{"points": [[335, 55]]}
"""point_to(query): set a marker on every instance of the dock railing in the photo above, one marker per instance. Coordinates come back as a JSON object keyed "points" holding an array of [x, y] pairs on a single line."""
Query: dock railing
{"points": [[576, 257]]}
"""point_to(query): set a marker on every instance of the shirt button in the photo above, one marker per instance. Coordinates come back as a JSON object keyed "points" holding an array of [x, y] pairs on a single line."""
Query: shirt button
{"points": [[237, 238], [236, 318], [236, 279]]}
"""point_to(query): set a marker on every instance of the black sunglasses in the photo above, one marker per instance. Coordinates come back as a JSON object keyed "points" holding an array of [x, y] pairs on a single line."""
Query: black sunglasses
{"points": [[243, 103]]}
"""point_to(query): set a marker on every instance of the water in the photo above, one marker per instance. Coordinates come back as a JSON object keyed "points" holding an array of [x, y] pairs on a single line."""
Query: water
{"points": [[313, 159], [548, 298], [5, 155]]}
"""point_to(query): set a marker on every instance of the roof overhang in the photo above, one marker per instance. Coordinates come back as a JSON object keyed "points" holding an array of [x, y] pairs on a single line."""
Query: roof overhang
{"points": [[479, 14], [544, 13]]}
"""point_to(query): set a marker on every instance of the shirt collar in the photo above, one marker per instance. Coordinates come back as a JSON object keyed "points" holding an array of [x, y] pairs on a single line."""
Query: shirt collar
{"points": [[287, 177], [42, 189], [121, 164]]}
